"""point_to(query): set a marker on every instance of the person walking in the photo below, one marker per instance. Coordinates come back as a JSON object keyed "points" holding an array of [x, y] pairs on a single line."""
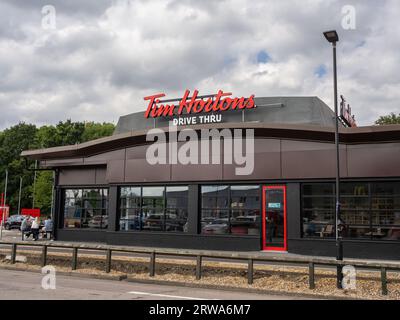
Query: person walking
{"points": [[35, 229]]}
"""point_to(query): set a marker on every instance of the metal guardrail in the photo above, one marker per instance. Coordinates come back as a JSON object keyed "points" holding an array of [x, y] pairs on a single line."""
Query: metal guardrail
{"points": [[251, 259]]}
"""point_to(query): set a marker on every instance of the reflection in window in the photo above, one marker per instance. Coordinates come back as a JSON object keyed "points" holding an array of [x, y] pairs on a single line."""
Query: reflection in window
{"points": [[154, 208], [230, 210], [86, 208], [368, 210]]}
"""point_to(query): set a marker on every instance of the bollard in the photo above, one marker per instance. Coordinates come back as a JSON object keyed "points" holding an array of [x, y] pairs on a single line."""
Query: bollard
{"points": [[74, 258], [108, 260], [44, 256], [311, 275], [198, 267], [384, 281], [152, 265], [250, 272]]}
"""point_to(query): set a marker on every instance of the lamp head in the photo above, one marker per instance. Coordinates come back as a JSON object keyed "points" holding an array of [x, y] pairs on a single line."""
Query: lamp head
{"points": [[331, 36]]}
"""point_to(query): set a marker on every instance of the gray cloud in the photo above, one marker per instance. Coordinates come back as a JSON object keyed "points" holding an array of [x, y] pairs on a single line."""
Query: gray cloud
{"points": [[106, 55]]}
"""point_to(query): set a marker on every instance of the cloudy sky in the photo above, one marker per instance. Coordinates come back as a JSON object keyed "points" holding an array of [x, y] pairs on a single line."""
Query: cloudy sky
{"points": [[103, 56]]}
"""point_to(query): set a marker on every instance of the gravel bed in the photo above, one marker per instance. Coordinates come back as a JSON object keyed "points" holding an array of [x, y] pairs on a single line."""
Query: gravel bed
{"points": [[274, 278]]}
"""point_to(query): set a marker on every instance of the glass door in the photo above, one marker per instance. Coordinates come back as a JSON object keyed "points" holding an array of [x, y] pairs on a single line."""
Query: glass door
{"points": [[274, 218]]}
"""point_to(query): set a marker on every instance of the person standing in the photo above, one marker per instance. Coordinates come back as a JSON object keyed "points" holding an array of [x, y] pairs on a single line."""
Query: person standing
{"points": [[48, 226], [26, 227], [35, 229]]}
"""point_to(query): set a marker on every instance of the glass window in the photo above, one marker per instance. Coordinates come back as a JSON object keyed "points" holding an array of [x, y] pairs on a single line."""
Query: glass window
{"points": [[230, 209], [368, 210], [154, 208], [86, 208], [176, 209]]}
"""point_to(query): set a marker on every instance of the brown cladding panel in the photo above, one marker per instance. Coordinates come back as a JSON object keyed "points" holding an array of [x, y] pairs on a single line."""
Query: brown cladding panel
{"points": [[199, 172], [374, 160], [104, 157], [115, 171], [138, 152], [101, 176], [303, 159], [139, 170], [193, 172], [84, 176], [267, 162]]}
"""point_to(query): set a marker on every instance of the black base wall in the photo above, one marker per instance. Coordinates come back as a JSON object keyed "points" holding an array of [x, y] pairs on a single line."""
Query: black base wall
{"points": [[163, 240], [351, 249], [83, 236]]}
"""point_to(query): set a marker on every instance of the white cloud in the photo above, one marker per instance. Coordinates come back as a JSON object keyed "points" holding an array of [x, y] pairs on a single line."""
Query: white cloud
{"points": [[105, 56]]}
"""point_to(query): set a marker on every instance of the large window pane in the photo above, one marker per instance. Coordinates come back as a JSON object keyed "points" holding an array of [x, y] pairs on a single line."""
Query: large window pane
{"points": [[155, 208], [215, 221], [369, 210], [86, 208], [354, 189], [230, 209], [177, 209], [386, 217], [385, 233], [318, 189]]}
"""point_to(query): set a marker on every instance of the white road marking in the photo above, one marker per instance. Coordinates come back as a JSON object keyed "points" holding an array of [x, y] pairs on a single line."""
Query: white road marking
{"points": [[166, 295]]}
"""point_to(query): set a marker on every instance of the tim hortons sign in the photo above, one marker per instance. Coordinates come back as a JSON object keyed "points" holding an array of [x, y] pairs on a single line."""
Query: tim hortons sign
{"points": [[194, 105]]}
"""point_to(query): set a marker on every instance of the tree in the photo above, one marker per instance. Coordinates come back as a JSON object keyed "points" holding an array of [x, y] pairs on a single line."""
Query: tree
{"points": [[12, 142], [392, 118], [97, 130], [26, 136], [43, 191], [68, 133]]}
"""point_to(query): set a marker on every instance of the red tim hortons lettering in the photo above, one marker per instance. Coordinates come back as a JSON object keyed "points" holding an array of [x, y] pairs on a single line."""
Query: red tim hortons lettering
{"points": [[218, 102]]}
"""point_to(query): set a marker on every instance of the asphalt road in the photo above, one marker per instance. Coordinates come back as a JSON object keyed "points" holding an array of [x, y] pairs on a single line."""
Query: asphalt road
{"points": [[20, 285]]}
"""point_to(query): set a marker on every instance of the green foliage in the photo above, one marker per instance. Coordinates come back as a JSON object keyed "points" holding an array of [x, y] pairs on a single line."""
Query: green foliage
{"points": [[389, 119], [43, 191], [97, 130], [23, 136]]}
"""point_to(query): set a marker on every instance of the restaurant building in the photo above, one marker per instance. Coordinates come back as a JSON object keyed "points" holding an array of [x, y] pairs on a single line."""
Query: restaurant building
{"points": [[106, 190]]}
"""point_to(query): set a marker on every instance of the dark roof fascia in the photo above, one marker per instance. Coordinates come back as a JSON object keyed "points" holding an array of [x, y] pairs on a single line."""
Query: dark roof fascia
{"points": [[371, 134]]}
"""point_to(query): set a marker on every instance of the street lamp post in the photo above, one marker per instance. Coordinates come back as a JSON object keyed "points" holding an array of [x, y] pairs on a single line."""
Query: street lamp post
{"points": [[333, 38]]}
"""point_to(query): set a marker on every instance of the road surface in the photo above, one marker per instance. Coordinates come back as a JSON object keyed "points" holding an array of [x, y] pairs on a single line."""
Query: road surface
{"points": [[19, 285]]}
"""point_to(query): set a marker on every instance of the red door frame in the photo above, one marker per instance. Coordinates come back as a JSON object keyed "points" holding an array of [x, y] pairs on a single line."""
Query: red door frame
{"points": [[264, 247]]}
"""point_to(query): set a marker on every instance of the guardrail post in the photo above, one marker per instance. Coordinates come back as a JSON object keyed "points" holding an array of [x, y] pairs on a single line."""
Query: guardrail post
{"points": [[384, 281], [13, 253], [44, 256], [339, 276], [311, 275], [74, 258], [152, 265], [250, 272], [108, 260], [198, 267]]}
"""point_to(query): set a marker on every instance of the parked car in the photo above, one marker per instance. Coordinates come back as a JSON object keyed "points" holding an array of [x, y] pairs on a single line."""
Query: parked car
{"points": [[218, 226], [98, 222], [14, 222]]}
